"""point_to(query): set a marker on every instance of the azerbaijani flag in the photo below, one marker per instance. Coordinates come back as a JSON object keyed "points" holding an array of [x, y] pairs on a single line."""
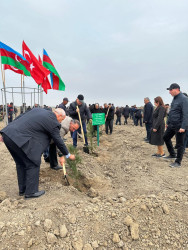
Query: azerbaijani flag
{"points": [[14, 59], [56, 81]]}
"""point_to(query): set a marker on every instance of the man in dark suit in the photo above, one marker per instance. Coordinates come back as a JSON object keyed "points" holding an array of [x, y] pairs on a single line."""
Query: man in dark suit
{"points": [[148, 112], [26, 139]]}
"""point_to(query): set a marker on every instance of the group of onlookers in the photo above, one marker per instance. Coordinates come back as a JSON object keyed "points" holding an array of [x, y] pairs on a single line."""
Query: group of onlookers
{"points": [[176, 125]]}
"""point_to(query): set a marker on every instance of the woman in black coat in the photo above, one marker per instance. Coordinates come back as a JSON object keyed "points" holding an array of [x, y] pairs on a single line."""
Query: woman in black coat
{"points": [[158, 126]]}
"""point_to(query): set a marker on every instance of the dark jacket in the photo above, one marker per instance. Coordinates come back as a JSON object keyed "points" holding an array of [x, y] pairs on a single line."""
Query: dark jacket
{"points": [[110, 113], [118, 112], [94, 111], [33, 131], [62, 106], [126, 111], [84, 111], [148, 112], [138, 113], [178, 115], [158, 124]]}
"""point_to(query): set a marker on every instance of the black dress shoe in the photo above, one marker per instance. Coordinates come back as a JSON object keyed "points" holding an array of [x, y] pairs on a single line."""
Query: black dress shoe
{"points": [[169, 157], [57, 167], [35, 195]]}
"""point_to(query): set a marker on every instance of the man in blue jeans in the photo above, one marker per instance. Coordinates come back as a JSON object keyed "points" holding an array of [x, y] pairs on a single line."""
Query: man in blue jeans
{"points": [[75, 107]]}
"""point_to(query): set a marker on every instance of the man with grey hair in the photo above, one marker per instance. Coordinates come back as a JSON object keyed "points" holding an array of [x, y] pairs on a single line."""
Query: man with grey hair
{"points": [[68, 124], [148, 112], [26, 138]]}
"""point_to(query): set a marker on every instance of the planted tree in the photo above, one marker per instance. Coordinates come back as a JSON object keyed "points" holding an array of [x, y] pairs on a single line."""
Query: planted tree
{"points": [[75, 173]]}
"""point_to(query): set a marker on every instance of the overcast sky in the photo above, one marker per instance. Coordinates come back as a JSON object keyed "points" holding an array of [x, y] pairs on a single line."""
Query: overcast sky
{"points": [[115, 51]]}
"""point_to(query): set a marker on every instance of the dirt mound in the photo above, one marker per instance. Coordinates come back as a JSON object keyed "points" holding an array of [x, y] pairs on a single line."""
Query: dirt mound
{"points": [[125, 200]]}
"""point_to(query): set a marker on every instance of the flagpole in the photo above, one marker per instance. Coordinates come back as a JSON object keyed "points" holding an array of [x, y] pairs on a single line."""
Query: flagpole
{"points": [[41, 91], [21, 94], [3, 80], [24, 94], [38, 95]]}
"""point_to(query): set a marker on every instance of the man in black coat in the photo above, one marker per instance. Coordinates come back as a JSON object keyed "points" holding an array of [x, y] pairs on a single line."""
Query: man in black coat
{"points": [[84, 113], [26, 139], [148, 112], [126, 112], [109, 116], [177, 124], [118, 114], [138, 116]]}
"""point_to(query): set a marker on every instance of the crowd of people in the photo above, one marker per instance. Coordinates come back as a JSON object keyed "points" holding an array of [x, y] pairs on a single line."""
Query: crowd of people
{"points": [[38, 131]]}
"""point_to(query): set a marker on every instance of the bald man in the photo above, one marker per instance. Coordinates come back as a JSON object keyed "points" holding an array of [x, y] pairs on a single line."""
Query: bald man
{"points": [[26, 138]]}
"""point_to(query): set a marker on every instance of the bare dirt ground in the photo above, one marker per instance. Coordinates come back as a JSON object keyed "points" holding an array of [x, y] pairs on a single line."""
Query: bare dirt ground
{"points": [[129, 200]]}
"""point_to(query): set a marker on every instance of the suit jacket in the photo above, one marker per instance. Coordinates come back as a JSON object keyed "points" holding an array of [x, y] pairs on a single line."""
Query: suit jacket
{"points": [[32, 132], [148, 112]]}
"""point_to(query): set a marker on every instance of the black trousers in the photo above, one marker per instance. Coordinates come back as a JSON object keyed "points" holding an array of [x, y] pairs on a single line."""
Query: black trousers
{"points": [[53, 155], [109, 124], [27, 171], [169, 133], [148, 130], [126, 117]]}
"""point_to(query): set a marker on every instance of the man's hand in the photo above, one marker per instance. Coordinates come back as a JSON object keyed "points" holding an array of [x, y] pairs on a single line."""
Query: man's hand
{"points": [[77, 110], [62, 160], [154, 130], [1, 139], [181, 130], [72, 157]]}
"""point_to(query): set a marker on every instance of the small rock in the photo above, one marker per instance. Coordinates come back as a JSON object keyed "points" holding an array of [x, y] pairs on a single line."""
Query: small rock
{"points": [[95, 244], [72, 219], [56, 231], [165, 209], [120, 195], [37, 223], [116, 238], [122, 199], [2, 224], [113, 215], [51, 238], [87, 247], [92, 193], [47, 224], [120, 244], [30, 243], [63, 231], [105, 243], [134, 231], [6, 203], [143, 207], [128, 221], [3, 195], [78, 245]]}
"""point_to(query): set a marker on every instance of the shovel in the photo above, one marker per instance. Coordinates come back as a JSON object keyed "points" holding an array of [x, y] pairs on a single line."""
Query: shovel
{"points": [[65, 175], [85, 147]]}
